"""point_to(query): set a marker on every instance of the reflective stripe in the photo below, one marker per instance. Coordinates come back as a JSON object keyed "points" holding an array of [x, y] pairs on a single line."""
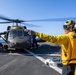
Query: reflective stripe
{"points": [[71, 60], [75, 71]]}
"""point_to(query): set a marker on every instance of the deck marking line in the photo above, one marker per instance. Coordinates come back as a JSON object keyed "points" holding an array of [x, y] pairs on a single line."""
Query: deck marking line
{"points": [[43, 60], [7, 65]]}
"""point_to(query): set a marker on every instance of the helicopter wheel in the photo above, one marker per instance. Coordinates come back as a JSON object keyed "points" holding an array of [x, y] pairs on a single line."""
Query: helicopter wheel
{"points": [[5, 47]]}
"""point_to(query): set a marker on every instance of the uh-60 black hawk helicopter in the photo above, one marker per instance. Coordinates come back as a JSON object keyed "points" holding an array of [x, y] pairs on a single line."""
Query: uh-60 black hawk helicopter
{"points": [[16, 37]]}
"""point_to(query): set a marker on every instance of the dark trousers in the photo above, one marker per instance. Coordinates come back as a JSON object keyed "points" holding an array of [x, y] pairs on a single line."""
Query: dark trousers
{"points": [[68, 69], [34, 44]]}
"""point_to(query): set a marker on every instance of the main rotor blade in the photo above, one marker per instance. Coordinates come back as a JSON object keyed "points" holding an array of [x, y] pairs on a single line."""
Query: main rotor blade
{"points": [[11, 20], [31, 25], [4, 22], [40, 20], [53, 19], [5, 18]]}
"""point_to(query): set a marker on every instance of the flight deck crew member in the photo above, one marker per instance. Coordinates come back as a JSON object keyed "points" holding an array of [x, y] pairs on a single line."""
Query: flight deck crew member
{"points": [[68, 46], [34, 42]]}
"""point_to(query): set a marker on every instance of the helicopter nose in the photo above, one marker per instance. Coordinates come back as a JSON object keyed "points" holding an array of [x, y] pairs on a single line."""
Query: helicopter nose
{"points": [[14, 44]]}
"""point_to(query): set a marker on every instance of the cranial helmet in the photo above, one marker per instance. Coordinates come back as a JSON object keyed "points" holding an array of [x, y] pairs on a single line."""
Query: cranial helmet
{"points": [[69, 24]]}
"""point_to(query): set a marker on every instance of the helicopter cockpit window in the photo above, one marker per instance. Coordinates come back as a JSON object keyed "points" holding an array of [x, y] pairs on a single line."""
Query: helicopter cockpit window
{"points": [[20, 32], [13, 33]]}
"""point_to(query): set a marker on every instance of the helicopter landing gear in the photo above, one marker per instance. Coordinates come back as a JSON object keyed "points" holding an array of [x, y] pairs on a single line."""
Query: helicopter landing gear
{"points": [[5, 48]]}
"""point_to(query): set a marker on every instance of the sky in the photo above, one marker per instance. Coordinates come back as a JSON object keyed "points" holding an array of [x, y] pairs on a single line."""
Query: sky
{"points": [[37, 10]]}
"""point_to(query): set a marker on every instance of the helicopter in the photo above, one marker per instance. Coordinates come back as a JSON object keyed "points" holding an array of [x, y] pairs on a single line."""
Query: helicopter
{"points": [[16, 37]]}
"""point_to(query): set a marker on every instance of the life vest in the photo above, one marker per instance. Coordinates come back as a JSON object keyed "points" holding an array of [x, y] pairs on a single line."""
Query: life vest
{"points": [[69, 50]]}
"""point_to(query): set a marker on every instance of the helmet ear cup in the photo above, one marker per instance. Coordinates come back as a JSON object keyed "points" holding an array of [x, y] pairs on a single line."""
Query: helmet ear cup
{"points": [[74, 28], [72, 25]]}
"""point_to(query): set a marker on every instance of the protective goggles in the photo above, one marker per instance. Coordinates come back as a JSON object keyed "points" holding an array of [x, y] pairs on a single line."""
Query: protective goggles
{"points": [[66, 26]]}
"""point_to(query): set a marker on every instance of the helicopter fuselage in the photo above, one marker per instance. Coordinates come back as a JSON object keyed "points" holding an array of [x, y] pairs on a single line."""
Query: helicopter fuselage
{"points": [[17, 38]]}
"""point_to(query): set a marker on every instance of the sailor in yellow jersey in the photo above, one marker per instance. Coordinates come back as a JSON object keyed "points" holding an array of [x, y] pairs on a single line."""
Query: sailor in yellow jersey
{"points": [[68, 45]]}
